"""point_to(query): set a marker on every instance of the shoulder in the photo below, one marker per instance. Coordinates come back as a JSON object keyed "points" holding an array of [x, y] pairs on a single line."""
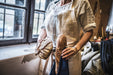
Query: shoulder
{"points": [[79, 3], [86, 3], [82, 6]]}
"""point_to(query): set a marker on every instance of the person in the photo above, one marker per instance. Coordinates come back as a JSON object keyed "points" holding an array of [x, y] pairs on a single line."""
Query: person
{"points": [[68, 17]]}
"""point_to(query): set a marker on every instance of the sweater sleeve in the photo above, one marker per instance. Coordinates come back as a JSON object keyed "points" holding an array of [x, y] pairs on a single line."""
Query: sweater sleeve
{"points": [[86, 16]]}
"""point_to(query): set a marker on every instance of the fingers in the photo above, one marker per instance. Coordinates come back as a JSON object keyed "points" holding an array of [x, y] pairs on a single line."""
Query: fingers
{"points": [[68, 53], [65, 50], [39, 41], [67, 56]]}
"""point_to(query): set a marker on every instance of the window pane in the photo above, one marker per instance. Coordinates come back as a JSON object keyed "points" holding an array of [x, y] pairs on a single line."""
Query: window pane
{"points": [[2, 1], [9, 22], [1, 21], [40, 4], [38, 20], [37, 4], [15, 2], [12, 23], [10, 1], [41, 18]]}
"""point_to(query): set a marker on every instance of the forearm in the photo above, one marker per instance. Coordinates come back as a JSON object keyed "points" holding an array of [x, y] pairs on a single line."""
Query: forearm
{"points": [[42, 35], [84, 39]]}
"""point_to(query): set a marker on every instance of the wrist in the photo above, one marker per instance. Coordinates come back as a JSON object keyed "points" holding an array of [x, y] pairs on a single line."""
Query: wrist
{"points": [[77, 47], [75, 50]]}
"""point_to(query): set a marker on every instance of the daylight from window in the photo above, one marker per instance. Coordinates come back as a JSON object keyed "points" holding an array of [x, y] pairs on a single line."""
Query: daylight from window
{"points": [[38, 16], [110, 24], [12, 20]]}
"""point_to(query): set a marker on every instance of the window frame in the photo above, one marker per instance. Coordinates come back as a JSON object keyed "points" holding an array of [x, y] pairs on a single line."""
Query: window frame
{"points": [[28, 23], [40, 11]]}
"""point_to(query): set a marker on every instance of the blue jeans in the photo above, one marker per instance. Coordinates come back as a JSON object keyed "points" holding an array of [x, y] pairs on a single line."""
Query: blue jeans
{"points": [[107, 56], [63, 68]]}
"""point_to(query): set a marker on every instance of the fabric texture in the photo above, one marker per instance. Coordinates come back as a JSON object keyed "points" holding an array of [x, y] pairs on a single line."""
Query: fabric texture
{"points": [[44, 66], [63, 68], [91, 62], [107, 56], [53, 69], [68, 20]]}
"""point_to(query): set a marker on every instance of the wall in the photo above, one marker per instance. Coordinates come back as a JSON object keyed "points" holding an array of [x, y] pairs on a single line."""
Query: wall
{"points": [[101, 9]]}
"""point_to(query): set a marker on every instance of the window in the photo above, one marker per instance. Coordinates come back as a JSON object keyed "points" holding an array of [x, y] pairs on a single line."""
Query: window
{"points": [[11, 23], [14, 2], [17, 23], [38, 20], [38, 16], [40, 4]]}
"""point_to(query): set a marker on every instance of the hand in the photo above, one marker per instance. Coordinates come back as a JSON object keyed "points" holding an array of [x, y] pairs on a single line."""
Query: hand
{"points": [[42, 35], [39, 40], [69, 52]]}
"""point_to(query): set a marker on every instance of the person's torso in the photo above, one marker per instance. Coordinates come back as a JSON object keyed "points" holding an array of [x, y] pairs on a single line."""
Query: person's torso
{"points": [[62, 20]]}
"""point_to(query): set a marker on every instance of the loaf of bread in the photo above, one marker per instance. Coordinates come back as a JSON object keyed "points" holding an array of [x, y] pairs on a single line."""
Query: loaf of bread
{"points": [[61, 43]]}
